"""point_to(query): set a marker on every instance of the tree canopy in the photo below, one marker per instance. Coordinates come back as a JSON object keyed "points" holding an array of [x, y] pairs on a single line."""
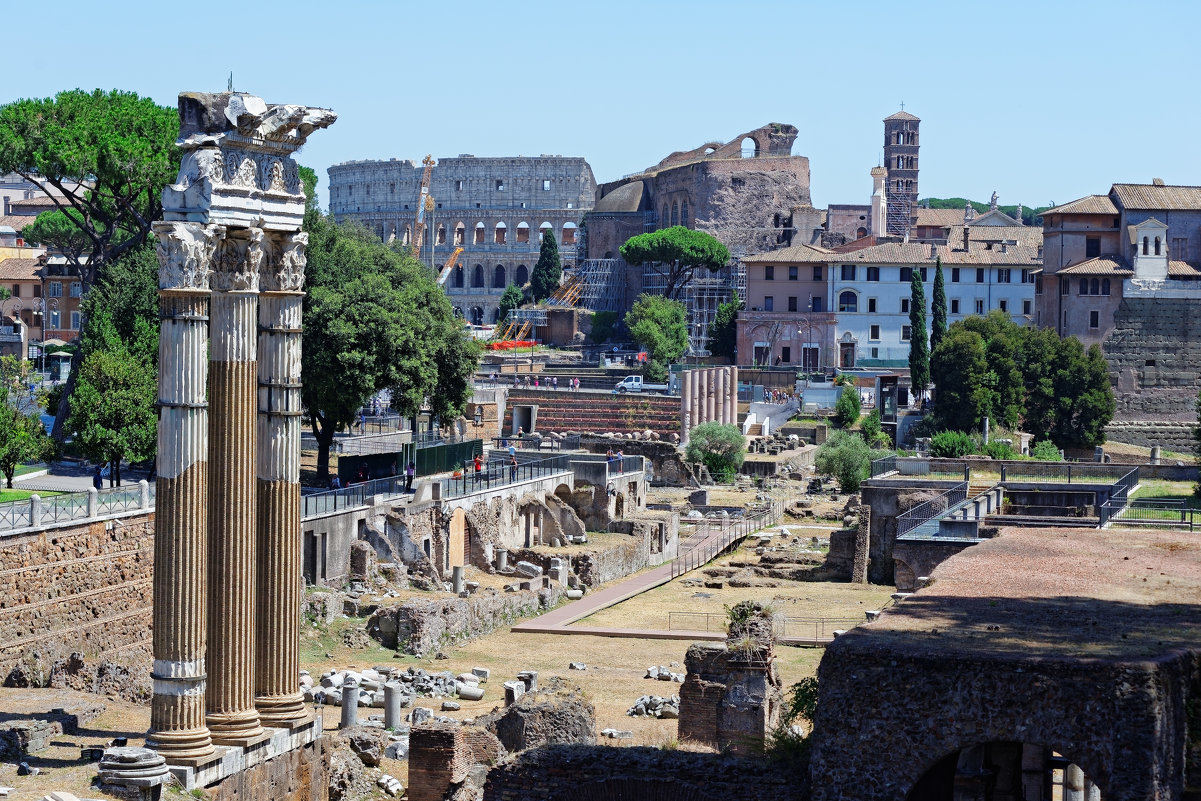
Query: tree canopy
{"points": [[845, 456], [723, 331], [721, 448], [938, 307], [919, 340], [103, 157], [22, 437], [375, 319], [1030, 377], [548, 271], [660, 326], [676, 253], [510, 299]]}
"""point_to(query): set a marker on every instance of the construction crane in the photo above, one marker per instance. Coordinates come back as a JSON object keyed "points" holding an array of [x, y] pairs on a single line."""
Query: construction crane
{"points": [[450, 265], [423, 201]]}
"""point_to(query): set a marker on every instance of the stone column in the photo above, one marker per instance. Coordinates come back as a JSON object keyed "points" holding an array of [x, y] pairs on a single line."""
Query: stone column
{"points": [[734, 395], [177, 727], [232, 718], [1073, 783], [685, 405], [279, 580], [723, 388], [697, 386], [710, 381]]}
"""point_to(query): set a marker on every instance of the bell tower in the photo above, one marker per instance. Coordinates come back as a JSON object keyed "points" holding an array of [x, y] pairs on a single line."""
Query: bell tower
{"points": [[900, 159]]}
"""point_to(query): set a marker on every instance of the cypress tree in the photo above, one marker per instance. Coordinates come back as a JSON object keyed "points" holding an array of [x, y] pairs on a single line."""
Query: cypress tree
{"points": [[919, 341], [938, 310], [544, 280]]}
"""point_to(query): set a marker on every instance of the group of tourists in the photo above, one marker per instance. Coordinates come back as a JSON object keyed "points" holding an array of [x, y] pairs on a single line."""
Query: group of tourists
{"points": [[538, 382]]}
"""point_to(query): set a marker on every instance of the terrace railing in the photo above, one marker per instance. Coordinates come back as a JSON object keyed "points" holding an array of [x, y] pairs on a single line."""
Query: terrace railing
{"points": [[1152, 513], [932, 509], [69, 506], [713, 537]]}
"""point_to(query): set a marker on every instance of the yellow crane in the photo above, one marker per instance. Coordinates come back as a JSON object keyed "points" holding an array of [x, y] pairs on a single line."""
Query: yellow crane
{"points": [[448, 266], [424, 202]]}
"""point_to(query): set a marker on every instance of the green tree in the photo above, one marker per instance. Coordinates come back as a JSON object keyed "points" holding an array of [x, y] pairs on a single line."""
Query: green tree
{"points": [[938, 308], [848, 407], [112, 410], [721, 448], [847, 457], [547, 273], [22, 437], [103, 157], [919, 340], [676, 254], [127, 291], [960, 369], [951, 445], [660, 326], [510, 299], [723, 331], [375, 319], [604, 323]]}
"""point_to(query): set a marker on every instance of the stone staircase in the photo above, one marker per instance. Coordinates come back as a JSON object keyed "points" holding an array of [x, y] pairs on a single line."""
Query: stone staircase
{"points": [[561, 410]]}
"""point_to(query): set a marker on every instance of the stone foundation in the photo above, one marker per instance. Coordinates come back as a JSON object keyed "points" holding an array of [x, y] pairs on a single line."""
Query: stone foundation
{"points": [[443, 755], [728, 701], [298, 775]]}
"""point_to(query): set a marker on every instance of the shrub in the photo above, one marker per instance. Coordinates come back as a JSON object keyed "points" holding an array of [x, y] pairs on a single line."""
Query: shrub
{"points": [[721, 448], [1045, 451], [999, 450], [873, 433], [846, 457], [846, 411], [951, 444]]}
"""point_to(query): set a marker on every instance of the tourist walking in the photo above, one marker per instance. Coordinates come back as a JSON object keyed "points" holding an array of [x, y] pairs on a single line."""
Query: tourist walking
{"points": [[479, 466], [410, 471], [512, 467]]}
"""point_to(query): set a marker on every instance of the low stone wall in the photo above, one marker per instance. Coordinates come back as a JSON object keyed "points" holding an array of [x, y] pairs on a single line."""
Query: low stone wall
{"points": [[301, 774], [596, 567], [598, 773], [83, 587], [1149, 433], [421, 626], [443, 755]]}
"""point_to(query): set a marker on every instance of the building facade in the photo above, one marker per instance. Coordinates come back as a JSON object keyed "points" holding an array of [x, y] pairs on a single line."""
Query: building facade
{"points": [[1123, 271], [494, 208], [818, 308]]}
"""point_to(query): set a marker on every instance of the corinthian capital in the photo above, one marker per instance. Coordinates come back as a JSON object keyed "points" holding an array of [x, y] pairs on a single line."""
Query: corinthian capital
{"points": [[284, 270], [239, 259], [185, 254]]}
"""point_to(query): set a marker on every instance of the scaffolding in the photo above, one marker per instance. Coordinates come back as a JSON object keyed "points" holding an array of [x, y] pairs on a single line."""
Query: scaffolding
{"points": [[602, 284], [702, 296], [899, 214]]}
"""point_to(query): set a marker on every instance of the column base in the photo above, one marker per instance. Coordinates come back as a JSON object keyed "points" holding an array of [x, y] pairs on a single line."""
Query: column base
{"points": [[235, 728], [182, 744], [282, 711]]}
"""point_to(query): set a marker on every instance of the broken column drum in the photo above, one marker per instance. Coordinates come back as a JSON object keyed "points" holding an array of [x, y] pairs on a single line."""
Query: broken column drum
{"points": [[277, 655], [177, 725], [234, 213]]}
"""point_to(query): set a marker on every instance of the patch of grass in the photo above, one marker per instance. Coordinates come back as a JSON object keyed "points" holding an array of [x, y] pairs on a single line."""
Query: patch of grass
{"points": [[1162, 490], [7, 495], [26, 469]]}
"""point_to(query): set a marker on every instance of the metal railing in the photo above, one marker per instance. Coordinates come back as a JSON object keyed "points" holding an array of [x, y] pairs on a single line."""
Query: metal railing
{"points": [[931, 509], [570, 442], [499, 473], [329, 501], [811, 628], [1067, 472], [1152, 513], [65, 507], [713, 537], [881, 466]]}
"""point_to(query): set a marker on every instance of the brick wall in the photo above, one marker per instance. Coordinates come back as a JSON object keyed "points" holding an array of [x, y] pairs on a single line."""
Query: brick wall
{"points": [[84, 587], [301, 774], [442, 754]]}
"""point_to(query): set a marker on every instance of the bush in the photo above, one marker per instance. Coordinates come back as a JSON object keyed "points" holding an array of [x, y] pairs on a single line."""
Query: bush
{"points": [[721, 448], [951, 445], [999, 450], [604, 324], [1046, 451], [846, 411], [873, 433], [846, 457]]}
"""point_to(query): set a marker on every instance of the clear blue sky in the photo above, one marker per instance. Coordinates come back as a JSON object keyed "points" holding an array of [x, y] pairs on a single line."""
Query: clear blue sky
{"points": [[1039, 101]]}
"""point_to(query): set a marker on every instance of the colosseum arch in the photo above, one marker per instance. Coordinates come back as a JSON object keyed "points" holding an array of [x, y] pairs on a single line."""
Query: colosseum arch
{"points": [[477, 277], [498, 277], [522, 276], [479, 234], [441, 240], [523, 232], [500, 233], [460, 234], [542, 229], [458, 279], [569, 233]]}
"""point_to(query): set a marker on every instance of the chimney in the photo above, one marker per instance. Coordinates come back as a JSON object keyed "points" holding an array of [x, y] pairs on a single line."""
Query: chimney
{"points": [[6, 206], [1157, 182], [1004, 247], [933, 251], [965, 236]]}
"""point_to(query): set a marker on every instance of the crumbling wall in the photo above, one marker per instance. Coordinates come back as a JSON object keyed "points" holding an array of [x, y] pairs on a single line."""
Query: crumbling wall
{"points": [[1154, 357], [420, 626], [84, 587], [554, 715], [302, 774], [449, 760]]}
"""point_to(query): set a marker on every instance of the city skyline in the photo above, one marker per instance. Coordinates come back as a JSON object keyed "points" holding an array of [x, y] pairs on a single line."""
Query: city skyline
{"points": [[1036, 104]]}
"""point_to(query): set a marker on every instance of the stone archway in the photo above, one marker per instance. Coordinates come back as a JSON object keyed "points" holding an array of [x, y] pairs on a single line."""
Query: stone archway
{"points": [[1003, 770], [619, 506], [457, 533]]}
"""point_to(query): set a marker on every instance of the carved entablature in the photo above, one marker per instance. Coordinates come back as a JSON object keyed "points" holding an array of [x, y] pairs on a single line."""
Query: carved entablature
{"points": [[186, 253], [237, 168], [283, 271], [240, 256]]}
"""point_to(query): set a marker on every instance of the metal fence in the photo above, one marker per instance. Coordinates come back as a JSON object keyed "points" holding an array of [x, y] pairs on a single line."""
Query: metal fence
{"points": [[1067, 472], [713, 537], [881, 466], [809, 628], [500, 473], [1152, 513], [931, 509], [323, 503], [570, 442], [68, 506]]}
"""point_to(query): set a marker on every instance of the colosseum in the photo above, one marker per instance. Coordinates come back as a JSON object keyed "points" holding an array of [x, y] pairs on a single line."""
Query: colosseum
{"points": [[494, 208]]}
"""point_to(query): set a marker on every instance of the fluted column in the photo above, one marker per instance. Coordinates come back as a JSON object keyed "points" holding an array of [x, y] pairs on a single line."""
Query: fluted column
{"points": [[232, 718], [177, 725], [695, 401], [710, 389], [685, 404], [734, 395], [723, 387], [277, 652]]}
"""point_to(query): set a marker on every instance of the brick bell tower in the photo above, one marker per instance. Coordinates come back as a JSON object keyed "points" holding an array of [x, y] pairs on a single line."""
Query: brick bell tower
{"points": [[900, 159]]}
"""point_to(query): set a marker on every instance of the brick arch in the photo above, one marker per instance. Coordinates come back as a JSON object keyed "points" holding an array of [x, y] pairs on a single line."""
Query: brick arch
{"points": [[936, 764], [628, 789]]}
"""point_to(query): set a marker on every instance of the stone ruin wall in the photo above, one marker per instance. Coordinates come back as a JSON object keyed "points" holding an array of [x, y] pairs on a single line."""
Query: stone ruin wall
{"points": [[78, 588], [599, 773], [1154, 357], [301, 774]]}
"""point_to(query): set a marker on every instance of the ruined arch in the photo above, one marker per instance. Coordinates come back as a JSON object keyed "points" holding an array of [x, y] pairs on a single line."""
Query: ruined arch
{"points": [[543, 228], [477, 315], [568, 235], [441, 240], [477, 276], [522, 276], [523, 232], [974, 771], [498, 277], [500, 233], [479, 234], [458, 279], [460, 234], [750, 147], [619, 506]]}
